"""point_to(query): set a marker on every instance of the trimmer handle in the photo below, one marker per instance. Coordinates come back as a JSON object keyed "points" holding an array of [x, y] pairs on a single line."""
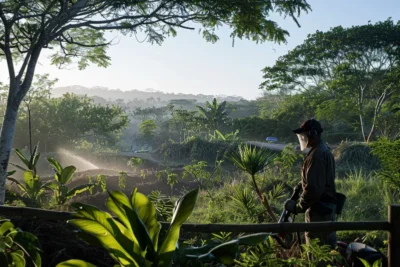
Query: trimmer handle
{"points": [[296, 192], [295, 196]]}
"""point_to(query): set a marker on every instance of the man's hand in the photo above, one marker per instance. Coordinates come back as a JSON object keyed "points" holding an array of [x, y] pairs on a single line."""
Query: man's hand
{"points": [[292, 207]]}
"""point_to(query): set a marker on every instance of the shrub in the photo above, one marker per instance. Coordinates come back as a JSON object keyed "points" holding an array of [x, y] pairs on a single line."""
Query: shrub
{"points": [[355, 155], [388, 153]]}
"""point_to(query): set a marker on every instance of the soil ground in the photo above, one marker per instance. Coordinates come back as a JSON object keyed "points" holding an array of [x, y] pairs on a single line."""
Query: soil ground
{"points": [[145, 186]]}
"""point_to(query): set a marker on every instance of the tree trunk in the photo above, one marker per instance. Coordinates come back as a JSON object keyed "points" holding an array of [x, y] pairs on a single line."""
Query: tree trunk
{"points": [[385, 95], [6, 141], [360, 103], [30, 130], [362, 127]]}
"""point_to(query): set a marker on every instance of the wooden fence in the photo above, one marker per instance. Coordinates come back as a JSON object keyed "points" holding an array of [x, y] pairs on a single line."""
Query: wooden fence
{"points": [[392, 226]]}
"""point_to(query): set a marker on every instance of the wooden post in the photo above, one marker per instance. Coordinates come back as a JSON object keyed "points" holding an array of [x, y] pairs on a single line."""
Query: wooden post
{"points": [[394, 236]]}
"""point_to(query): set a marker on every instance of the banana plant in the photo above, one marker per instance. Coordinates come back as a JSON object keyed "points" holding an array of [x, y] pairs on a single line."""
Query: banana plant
{"points": [[62, 176], [30, 164], [132, 239], [16, 246], [218, 136], [32, 190]]}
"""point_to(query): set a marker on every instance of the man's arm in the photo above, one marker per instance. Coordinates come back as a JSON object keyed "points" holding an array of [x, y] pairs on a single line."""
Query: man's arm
{"points": [[314, 182]]}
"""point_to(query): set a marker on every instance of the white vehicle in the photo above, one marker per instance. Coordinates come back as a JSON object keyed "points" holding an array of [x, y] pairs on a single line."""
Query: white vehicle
{"points": [[271, 139]]}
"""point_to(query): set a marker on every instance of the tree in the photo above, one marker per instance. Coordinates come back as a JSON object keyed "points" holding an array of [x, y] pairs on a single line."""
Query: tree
{"points": [[253, 160], [68, 120], [75, 31], [147, 131], [157, 114], [215, 114], [40, 89], [358, 67], [185, 123]]}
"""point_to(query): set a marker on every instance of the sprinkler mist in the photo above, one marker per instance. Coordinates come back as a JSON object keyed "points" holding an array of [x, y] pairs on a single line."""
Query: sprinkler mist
{"points": [[81, 163]]}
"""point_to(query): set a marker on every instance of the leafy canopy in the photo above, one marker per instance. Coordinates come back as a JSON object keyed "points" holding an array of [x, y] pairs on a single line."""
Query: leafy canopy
{"points": [[71, 119], [75, 29], [335, 60], [355, 69], [214, 114]]}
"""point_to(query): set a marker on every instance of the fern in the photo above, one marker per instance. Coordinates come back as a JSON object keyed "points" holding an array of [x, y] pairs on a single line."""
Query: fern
{"points": [[163, 205], [263, 254], [245, 203]]}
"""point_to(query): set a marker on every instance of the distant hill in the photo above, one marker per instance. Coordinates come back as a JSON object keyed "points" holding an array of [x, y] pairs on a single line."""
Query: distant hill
{"points": [[137, 95]]}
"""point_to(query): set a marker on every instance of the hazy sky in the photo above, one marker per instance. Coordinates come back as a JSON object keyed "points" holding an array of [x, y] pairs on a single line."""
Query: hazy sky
{"points": [[188, 64]]}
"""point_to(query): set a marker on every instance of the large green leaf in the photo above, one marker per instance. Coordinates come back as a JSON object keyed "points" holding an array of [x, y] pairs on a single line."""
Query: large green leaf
{"points": [[31, 244], [75, 263], [119, 204], [111, 234], [51, 185], [183, 208], [148, 214], [33, 185], [36, 160], [78, 189], [66, 174], [29, 179], [18, 258], [365, 262], [224, 253], [55, 164], [5, 227], [22, 158], [34, 155]]}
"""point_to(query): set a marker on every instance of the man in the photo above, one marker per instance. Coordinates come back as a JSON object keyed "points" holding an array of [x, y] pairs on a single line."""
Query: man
{"points": [[318, 199]]}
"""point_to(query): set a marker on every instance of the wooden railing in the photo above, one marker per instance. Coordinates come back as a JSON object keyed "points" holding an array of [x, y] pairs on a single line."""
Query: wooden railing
{"points": [[392, 226]]}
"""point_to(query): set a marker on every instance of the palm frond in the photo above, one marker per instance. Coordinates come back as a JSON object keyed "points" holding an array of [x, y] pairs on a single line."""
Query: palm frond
{"points": [[251, 159]]}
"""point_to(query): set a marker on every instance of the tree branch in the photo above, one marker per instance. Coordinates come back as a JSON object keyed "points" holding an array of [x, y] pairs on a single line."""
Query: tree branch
{"points": [[71, 41], [36, 50], [6, 47]]}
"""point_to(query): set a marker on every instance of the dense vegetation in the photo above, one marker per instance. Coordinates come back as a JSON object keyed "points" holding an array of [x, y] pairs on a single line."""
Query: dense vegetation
{"points": [[140, 156]]}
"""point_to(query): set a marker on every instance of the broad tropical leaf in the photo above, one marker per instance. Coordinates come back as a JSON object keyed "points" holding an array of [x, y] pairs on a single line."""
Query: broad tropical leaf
{"points": [[113, 236], [5, 226], [75, 263], [31, 244], [18, 258], [78, 189], [66, 174], [34, 157], [148, 214], [119, 204], [22, 158], [225, 253], [56, 165], [183, 208]]}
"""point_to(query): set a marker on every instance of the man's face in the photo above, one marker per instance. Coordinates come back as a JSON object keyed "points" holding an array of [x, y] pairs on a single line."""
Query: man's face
{"points": [[303, 140]]}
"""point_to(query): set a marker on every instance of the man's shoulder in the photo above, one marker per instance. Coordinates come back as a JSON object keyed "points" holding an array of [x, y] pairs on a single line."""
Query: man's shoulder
{"points": [[322, 150]]}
